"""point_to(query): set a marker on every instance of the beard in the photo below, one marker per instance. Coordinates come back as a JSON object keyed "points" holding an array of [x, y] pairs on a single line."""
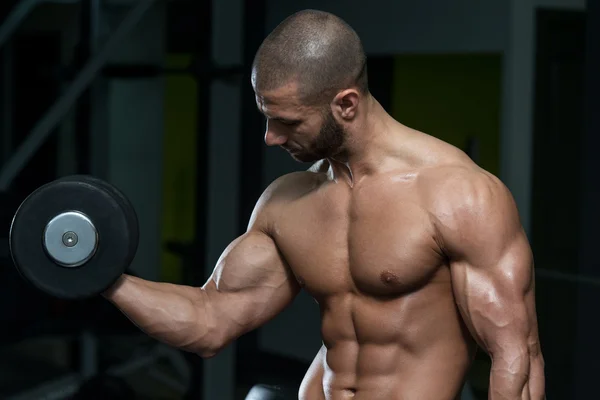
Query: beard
{"points": [[329, 142]]}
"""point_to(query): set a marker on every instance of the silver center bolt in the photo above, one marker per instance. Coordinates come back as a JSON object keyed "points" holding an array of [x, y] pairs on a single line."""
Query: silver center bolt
{"points": [[70, 239]]}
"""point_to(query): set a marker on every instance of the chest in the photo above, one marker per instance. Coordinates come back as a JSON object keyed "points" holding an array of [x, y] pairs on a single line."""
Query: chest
{"points": [[380, 243]]}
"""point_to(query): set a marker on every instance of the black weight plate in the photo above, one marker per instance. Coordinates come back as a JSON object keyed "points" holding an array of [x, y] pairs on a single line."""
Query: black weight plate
{"points": [[125, 203], [112, 255]]}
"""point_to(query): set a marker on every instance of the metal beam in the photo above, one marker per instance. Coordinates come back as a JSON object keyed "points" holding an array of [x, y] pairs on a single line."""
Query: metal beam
{"points": [[14, 19], [19, 12], [58, 110]]}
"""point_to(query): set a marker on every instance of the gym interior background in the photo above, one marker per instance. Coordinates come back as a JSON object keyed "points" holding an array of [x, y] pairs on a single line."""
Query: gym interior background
{"points": [[154, 97]]}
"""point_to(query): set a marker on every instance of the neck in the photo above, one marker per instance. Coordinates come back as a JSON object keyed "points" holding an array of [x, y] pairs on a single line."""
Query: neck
{"points": [[371, 146]]}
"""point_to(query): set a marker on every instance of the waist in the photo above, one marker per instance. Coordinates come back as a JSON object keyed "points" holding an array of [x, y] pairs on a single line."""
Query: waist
{"points": [[371, 360], [389, 372], [392, 327]]}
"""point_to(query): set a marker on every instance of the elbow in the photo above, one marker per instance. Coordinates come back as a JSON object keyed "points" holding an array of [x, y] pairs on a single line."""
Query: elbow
{"points": [[514, 356], [212, 331], [210, 338], [521, 355], [516, 351], [209, 348], [511, 362], [215, 339], [207, 352], [203, 334]]}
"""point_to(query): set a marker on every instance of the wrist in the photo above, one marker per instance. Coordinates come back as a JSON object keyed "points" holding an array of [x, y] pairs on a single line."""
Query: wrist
{"points": [[110, 293]]}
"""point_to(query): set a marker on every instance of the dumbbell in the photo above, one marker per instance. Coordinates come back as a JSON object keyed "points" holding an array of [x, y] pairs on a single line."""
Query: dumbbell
{"points": [[74, 237]]}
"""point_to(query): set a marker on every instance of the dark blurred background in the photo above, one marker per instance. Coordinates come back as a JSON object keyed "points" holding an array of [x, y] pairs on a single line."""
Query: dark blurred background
{"points": [[155, 97]]}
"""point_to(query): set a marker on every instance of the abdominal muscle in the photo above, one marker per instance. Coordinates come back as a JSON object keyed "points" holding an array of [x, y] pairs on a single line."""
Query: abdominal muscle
{"points": [[372, 353]]}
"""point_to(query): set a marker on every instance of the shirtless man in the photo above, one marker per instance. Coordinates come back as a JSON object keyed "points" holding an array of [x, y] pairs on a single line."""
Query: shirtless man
{"points": [[412, 251]]}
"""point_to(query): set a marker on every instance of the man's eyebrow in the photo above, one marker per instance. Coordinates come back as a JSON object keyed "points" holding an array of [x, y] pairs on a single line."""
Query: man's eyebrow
{"points": [[274, 118], [281, 119]]}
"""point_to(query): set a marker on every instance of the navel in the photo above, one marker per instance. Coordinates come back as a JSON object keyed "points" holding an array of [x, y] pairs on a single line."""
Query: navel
{"points": [[301, 281]]}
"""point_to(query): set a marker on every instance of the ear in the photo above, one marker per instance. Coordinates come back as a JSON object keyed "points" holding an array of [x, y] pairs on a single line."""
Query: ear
{"points": [[345, 104]]}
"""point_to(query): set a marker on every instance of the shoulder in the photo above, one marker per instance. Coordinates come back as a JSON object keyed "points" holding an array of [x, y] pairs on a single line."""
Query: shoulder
{"points": [[281, 192], [457, 187], [296, 184], [468, 203], [293, 185]]}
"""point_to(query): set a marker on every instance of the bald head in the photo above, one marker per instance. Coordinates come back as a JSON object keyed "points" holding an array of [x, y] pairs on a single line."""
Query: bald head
{"points": [[315, 50]]}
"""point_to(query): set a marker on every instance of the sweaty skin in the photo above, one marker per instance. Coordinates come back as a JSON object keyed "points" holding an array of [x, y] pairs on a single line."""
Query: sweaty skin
{"points": [[410, 266], [403, 265], [418, 255]]}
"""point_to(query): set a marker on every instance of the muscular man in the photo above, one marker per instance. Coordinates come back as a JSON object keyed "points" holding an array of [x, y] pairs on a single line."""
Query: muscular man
{"points": [[412, 251]]}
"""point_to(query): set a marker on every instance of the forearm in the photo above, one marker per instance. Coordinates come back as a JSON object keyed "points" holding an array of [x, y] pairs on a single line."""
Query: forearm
{"points": [[517, 376], [173, 314]]}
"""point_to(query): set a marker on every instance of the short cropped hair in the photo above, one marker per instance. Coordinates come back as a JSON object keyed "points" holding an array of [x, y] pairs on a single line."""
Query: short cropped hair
{"points": [[318, 50]]}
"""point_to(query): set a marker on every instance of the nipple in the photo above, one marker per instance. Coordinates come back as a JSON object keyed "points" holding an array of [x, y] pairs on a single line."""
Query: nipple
{"points": [[389, 278]]}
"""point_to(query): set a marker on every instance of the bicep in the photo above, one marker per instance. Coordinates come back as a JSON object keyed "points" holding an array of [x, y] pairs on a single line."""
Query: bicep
{"points": [[250, 284]]}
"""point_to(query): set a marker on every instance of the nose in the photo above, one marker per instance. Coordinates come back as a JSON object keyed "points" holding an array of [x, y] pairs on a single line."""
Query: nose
{"points": [[273, 138]]}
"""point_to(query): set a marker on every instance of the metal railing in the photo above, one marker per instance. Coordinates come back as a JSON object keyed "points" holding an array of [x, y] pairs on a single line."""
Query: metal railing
{"points": [[63, 104]]}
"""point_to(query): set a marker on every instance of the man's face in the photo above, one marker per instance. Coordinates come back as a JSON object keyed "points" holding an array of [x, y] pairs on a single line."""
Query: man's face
{"points": [[308, 133]]}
